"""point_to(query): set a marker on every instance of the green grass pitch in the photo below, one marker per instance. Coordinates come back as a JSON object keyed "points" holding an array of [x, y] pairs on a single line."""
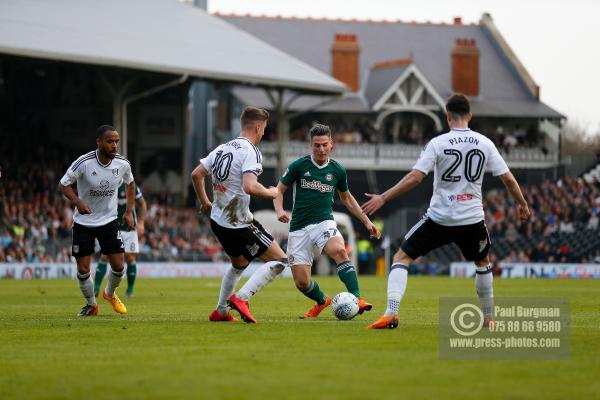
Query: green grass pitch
{"points": [[165, 348]]}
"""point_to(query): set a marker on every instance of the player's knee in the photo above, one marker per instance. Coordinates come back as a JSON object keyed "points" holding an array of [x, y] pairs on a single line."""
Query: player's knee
{"points": [[402, 258], [130, 258], [484, 262], [302, 283], [340, 254]]}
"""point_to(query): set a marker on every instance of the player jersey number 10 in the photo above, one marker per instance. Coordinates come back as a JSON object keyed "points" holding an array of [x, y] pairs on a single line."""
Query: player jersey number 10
{"points": [[222, 165]]}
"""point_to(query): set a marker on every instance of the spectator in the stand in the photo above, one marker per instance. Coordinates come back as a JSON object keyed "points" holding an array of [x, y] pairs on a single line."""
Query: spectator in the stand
{"points": [[566, 226], [592, 223], [510, 141]]}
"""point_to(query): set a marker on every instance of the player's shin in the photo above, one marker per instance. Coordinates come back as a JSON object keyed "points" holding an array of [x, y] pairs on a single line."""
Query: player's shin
{"points": [[230, 280], [131, 275], [484, 284], [396, 287], [100, 272], [315, 293], [86, 285], [113, 281], [261, 278], [347, 274]]}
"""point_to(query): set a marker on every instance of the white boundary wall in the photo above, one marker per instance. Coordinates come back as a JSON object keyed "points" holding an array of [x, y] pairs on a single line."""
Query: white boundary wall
{"points": [[145, 270], [532, 270]]}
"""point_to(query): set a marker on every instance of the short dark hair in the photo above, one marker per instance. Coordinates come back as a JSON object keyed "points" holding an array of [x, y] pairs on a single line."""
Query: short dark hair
{"points": [[320, 130], [251, 115], [103, 129], [458, 105]]}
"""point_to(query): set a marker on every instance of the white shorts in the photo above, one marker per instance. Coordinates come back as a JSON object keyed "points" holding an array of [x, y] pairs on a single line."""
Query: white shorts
{"points": [[130, 241], [301, 242]]}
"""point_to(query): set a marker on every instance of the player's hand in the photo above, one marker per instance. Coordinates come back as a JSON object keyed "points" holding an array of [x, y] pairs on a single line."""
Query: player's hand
{"points": [[523, 212], [83, 208], [273, 192], [373, 231], [282, 216], [128, 219], [205, 208], [375, 202], [140, 228]]}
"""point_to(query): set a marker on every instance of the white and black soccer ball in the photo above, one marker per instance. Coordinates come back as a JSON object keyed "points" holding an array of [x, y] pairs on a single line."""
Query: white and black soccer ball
{"points": [[344, 306]]}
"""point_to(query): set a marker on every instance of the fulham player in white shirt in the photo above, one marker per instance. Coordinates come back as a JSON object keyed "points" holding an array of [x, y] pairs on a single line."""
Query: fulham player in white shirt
{"points": [[458, 159], [98, 174]]}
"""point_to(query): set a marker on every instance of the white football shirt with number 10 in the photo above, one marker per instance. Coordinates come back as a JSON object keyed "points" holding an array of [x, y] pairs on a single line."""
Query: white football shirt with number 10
{"points": [[459, 159], [227, 165]]}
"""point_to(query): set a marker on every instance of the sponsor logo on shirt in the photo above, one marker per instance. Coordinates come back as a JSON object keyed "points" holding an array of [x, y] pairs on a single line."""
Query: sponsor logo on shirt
{"points": [[102, 190], [219, 188], [460, 197], [307, 173], [316, 185]]}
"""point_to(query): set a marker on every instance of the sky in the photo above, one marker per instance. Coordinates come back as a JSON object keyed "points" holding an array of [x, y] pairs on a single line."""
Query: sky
{"points": [[558, 41]]}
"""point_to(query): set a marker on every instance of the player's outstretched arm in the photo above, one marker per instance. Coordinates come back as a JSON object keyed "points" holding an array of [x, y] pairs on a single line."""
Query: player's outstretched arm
{"points": [[515, 192], [130, 196], [253, 187], [141, 208], [376, 201], [198, 176], [70, 194], [352, 206], [278, 204]]}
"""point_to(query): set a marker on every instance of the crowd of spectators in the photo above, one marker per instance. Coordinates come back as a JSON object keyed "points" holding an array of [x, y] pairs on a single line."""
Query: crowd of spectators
{"points": [[564, 216], [36, 221]]}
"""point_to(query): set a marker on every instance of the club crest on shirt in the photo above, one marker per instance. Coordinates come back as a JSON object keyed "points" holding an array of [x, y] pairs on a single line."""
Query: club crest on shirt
{"points": [[329, 177], [115, 171]]}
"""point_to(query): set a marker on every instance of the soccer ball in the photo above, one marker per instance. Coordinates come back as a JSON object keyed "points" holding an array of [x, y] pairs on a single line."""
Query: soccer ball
{"points": [[344, 306]]}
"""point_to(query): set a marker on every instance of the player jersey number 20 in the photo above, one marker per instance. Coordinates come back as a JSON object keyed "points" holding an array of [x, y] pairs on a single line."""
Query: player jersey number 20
{"points": [[222, 165], [474, 162]]}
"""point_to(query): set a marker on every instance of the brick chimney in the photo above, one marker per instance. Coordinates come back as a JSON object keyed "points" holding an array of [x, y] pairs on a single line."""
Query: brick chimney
{"points": [[345, 60], [465, 67]]}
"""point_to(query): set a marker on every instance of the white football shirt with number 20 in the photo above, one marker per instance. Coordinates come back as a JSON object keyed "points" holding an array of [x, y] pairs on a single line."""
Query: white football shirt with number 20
{"points": [[459, 159]]}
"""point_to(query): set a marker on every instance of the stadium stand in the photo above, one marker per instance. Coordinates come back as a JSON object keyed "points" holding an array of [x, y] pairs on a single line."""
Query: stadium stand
{"points": [[36, 221]]}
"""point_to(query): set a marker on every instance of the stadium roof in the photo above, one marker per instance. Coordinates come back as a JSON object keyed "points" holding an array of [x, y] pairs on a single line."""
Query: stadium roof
{"points": [[160, 35], [503, 79]]}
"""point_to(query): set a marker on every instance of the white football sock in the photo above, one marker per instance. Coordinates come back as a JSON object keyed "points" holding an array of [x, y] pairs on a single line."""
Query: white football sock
{"points": [[113, 281], [483, 283], [396, 288], [86, 285], [261, 278], [230, 280]]}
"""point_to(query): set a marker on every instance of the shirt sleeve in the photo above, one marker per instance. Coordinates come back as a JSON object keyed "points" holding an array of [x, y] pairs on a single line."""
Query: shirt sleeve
{"points": [[74, 172], [426, 160], [496, 163], [342, 184], [252, 162], [290, 174], [127, 174], [207, 162]]}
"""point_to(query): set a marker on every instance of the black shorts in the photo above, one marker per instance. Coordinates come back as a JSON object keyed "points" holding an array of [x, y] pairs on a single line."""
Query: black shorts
{"points": [[250, 242], [426, 235], [109, 237]]}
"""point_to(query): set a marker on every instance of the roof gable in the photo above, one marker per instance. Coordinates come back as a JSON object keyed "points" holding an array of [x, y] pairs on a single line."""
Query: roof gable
{"points": [[430, 45]]}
